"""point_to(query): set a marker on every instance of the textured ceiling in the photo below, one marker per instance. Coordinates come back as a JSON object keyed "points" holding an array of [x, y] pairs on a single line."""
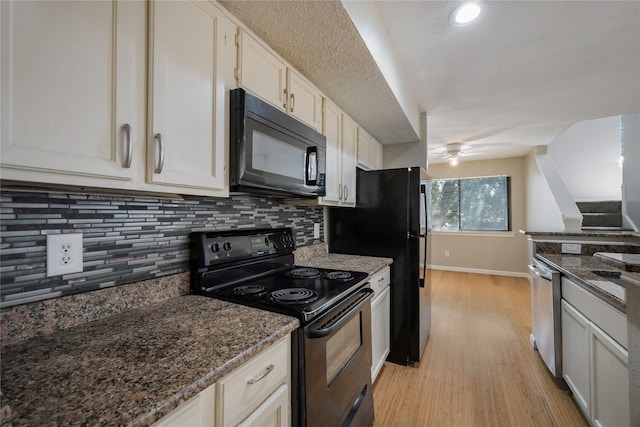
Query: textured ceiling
{"points": [[319, 39], [521, 75]]}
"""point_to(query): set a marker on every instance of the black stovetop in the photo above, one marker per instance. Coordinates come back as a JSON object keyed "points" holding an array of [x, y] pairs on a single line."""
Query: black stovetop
{"points": [[258, 271]]}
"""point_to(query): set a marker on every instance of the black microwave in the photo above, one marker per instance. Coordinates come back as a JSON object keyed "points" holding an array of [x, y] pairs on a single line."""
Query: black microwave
{"points": [[271, 152]]}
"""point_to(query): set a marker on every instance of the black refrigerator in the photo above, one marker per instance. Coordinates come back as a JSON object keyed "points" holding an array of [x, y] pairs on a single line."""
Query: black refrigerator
{"points": [[391, 220]]}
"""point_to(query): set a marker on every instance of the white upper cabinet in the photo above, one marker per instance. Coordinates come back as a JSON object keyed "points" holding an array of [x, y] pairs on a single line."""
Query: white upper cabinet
{"points": [[73, 80], [80, 105], [190, 42], [263, 73], [305, 101], [369, 151], [341, 133], [348, 161]]}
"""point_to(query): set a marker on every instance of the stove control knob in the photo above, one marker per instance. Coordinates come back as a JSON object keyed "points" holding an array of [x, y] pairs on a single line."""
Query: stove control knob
{"points": [[226, 246], [215, 247]]}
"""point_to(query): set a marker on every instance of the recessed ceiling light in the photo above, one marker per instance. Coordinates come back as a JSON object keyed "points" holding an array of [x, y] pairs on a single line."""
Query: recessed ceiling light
{"points": [[466, 13]]}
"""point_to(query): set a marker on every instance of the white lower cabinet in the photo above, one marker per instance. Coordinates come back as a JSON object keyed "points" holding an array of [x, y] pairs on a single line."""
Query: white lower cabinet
{"points": [[255, 394], [594, 363], [274, 412], [380, 320], [609, 380], [199, 411], [244, 393], [575, 357]]}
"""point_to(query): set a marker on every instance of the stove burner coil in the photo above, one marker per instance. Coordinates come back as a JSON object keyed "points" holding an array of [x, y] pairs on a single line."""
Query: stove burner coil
{"points": [[339, 275], [250, 290], [294, 295], [304, 273]]}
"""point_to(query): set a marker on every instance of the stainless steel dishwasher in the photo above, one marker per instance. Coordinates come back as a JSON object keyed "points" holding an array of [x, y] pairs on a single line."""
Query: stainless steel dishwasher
{"points": [[546, 327]]}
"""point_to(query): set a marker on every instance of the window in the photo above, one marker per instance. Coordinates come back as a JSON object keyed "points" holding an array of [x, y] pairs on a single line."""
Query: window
{"points": [[471, 204]]}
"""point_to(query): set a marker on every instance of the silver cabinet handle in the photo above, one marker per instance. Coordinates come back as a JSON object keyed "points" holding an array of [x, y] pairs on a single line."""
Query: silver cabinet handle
{"points": [[339, 191], [293, 102], [129, 144], [266, 372], [158, 137], [346, 193], [285, 99], [380, 279]]}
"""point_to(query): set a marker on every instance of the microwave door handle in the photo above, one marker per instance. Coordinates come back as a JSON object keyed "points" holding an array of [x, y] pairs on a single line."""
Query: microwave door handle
{"points": [[311, 166]]}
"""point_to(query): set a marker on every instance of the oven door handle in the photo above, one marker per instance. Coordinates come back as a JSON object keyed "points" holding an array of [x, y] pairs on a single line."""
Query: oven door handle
{"points": [[363, 297]]}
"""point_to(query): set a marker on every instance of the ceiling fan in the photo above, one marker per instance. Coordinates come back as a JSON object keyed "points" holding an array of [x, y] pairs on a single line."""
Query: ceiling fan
{"points": [[453, 151]]}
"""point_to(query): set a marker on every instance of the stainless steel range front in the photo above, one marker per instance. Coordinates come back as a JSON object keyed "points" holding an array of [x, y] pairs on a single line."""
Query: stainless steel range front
{"points": [[331, 351]]}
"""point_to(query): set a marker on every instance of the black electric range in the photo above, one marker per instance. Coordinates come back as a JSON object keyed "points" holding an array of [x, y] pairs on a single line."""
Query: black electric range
{"points": [[256, 268]]}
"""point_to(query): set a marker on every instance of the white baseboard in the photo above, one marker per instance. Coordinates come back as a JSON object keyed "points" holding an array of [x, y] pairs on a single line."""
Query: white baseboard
{"points": [[480, 271]]}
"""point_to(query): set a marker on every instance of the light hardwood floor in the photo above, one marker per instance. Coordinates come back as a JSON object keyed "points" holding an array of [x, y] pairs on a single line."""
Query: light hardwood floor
{"points": [[478, 368]]}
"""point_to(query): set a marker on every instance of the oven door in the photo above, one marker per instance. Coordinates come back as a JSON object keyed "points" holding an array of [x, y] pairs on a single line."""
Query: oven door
{"points": [[338, 365]]}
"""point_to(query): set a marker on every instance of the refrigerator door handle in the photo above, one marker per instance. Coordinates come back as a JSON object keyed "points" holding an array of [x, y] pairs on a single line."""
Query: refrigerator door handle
{"points": [[423, 191]]}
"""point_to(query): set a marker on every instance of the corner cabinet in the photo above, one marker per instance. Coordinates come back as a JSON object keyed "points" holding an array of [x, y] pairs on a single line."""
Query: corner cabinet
{"points": [[74, 108], [189, 44], [380, 320], [595, 358], [263, 73], [256, 394], [341, 133]]}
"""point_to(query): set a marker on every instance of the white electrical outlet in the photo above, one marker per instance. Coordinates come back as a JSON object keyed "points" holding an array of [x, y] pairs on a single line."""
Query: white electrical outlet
{"points": [[571, 248], [446, 253], [64, 253], [316, 230]]}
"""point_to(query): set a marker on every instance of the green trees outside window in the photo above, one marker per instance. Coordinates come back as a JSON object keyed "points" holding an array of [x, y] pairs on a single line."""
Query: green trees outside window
{"points": [[471, 204]]}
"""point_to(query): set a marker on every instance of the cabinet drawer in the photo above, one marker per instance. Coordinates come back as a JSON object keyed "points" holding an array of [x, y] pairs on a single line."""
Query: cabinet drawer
{"points": [[380, 280], [597, 311], [240, 396]]}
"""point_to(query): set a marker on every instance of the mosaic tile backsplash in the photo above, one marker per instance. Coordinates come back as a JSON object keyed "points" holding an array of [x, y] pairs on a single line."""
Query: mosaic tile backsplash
{"points": [[125, 239]]}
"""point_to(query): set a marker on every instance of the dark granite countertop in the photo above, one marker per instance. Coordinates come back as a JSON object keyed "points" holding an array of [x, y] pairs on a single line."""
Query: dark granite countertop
{"points": [[585, 233], [580, 268], [317, 256], [135, 367], [624, 261]]}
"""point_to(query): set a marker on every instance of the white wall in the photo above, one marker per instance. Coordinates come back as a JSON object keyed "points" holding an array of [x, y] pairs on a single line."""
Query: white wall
{"points": [[631, 171], [494, 253], [586, 157], [542, 211]]}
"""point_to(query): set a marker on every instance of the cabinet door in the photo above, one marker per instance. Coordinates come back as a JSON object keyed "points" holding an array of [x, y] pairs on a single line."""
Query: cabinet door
{"points": [[364, 149], [305, 101], [246, 388], [331, 129], [349, 146], [199, 411], [380, 324], [375, 151], [609, 381], [187, 123], [274, 412], [261, 72], [72, 78], [575, 355]]}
